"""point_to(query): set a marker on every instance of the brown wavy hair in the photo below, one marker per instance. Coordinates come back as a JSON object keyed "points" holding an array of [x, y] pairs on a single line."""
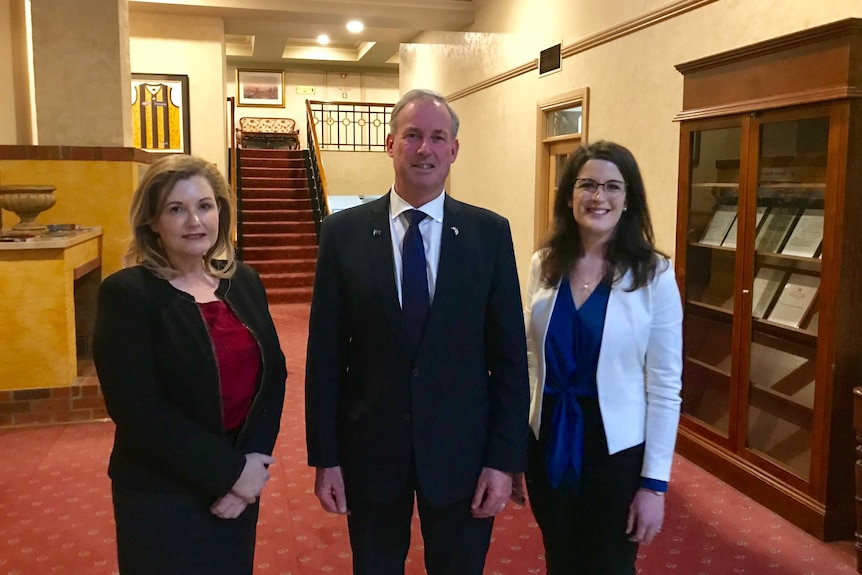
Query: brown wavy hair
{"points": [[631, 248], [148, 202]]}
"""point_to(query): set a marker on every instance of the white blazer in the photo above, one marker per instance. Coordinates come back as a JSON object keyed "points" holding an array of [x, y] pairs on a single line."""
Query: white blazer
{"points": [[639, 369]]}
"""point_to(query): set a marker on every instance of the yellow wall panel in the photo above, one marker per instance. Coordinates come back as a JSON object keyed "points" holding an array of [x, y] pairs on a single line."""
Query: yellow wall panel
{"points": [[89, 193]]}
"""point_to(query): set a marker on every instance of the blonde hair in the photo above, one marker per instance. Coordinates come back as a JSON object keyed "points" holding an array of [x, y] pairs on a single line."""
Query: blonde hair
{"points": [[148, 202]]}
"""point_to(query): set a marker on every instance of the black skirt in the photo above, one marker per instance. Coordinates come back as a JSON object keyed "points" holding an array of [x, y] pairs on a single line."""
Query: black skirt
{"points": [[175, 533]]}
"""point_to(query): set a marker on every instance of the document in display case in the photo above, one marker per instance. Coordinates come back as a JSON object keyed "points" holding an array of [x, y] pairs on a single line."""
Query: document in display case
{"points": [[771, 235], [795, 300], [721, 221], [766, 284], [730, 239], [807, 235]]}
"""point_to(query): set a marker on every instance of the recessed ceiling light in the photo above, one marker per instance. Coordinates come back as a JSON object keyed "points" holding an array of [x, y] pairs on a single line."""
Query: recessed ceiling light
{"points": [[323, 39], [355, 26]]}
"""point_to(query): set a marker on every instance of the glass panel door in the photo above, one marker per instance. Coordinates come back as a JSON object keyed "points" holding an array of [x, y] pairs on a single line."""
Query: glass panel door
{"points": [[791, 180], [709, 276], [558, 153]]}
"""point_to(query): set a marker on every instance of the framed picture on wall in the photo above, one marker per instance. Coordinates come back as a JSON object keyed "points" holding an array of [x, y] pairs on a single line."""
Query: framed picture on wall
{"points": [[160, 113], [260, 88]]}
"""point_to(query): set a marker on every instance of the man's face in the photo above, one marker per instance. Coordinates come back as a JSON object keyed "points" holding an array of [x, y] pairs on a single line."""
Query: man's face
{"points": [[422, 150]]}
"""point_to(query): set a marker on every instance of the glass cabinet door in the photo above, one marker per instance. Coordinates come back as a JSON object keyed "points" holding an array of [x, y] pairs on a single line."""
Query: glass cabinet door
{"points": [[791, 180], [710, 261]]}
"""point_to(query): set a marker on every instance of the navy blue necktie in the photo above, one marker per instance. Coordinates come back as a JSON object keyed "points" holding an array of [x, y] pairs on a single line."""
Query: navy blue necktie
{"points": [[414, 280]]}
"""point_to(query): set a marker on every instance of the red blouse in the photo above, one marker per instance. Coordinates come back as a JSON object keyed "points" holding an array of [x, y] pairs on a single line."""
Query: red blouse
{"points": [[238, 358]]}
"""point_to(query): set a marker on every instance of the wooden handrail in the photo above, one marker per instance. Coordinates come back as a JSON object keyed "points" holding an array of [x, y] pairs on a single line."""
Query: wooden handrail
{"points": [[348, 103], [314, 147]]}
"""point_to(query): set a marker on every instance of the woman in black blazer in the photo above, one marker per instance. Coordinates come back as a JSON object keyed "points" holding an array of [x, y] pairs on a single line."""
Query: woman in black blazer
{"points": [[193, 376]]}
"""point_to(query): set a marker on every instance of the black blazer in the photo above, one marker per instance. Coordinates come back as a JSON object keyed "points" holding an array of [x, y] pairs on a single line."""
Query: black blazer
{"points": [[461, 403], [157, 368]]}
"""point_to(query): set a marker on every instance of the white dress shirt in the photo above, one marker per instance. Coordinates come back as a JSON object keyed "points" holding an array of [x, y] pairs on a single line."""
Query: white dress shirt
{"points": [[431, 229]]}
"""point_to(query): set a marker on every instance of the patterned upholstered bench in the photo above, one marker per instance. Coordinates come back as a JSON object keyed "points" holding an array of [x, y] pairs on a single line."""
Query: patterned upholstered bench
{"points": [[268, 133]]}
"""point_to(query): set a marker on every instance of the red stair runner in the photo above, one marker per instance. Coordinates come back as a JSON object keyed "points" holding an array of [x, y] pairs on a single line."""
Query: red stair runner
{"points": [[278, 236]]}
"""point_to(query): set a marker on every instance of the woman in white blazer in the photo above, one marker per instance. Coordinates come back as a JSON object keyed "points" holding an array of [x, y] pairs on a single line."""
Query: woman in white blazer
{"points": [[604, 340]]}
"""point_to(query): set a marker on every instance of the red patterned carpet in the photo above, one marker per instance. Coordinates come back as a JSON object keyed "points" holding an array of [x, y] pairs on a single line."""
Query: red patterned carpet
{"points": [[55, 510]]}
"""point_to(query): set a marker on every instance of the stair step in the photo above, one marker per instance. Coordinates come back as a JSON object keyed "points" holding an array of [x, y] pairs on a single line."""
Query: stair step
{"points": [[277, 240], [289, 295], [254, 228], [272, 172], [278, 252], [276, 204], [287, 280], [277, 183], [275, 194], [286, 163], [268, 153], [283, 266], [276, 215]]}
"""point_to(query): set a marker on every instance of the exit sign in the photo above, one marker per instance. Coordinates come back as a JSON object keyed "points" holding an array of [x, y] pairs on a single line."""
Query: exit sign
{"points": [[305, 89]]}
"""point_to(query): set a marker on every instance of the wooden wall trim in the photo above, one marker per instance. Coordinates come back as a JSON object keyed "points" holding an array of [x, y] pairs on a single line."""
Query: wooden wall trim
{"points": [[84, 153], [494, 80], [806, 97], [646, 20]]}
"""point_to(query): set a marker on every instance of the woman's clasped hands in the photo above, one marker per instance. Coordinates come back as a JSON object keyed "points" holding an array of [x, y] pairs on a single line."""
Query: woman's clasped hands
{"points": [[247, 488]]}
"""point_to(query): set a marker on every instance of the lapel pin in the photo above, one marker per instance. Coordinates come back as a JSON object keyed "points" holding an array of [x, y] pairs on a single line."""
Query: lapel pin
{"points": [[376, 233], [455, 230]]}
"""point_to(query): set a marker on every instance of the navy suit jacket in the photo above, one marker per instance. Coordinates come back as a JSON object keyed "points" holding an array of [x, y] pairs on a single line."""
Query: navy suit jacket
{"points": [[459, 403]]}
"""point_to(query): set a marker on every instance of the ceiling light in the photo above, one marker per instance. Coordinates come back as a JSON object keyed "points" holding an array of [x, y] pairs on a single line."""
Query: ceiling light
{"points": [[355, 26], [323, 39]]}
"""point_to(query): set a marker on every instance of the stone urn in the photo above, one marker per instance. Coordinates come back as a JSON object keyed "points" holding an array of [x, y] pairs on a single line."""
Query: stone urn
{"points": [[27, 201]]}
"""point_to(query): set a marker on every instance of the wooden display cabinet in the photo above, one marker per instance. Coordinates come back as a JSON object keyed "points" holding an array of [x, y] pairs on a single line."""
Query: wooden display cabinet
{"points": [[769, 262]]}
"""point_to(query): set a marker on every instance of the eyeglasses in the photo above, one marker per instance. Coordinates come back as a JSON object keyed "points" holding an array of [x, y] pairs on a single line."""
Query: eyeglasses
{"points": [[589, 187]]}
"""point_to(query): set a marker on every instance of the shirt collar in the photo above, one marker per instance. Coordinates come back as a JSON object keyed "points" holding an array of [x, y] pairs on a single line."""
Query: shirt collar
{"points": [[432, 209]]}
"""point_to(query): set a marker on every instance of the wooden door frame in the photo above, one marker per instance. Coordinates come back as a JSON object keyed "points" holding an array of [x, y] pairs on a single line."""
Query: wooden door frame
{"points": [[543, 150]]}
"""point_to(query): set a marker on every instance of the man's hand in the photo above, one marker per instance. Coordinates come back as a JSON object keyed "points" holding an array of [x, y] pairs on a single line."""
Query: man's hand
{"points": [[646, 514], [492, 491], [329, 488], [253, 477]]}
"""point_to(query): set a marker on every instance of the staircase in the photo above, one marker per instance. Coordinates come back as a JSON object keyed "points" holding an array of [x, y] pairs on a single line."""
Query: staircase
{"points": [[276, 223]]}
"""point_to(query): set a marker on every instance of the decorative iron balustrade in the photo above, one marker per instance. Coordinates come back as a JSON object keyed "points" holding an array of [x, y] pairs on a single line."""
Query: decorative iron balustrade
{"points": [[354, 126]]}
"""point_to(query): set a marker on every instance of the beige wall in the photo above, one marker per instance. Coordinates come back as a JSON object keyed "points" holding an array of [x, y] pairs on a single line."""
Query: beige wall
{"points": [[377, 87], [635, 91], [357, 173], [81, 70], [161, 44], [8, 121], [15, 97]]}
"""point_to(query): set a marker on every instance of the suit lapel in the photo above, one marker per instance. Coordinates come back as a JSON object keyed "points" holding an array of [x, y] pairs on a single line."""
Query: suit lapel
{"points": [[381, 266]]}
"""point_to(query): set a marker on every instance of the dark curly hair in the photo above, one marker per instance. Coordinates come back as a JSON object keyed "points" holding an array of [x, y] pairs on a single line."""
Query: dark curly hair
{"points": [[631, 247]]}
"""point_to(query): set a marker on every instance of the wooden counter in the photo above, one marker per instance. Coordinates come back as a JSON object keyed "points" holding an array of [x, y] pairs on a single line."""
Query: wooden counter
{"points": [[38, 347]]}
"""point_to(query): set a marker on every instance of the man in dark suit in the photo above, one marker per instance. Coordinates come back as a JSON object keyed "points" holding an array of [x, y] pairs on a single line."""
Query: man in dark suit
{"points": [[416, 376]]}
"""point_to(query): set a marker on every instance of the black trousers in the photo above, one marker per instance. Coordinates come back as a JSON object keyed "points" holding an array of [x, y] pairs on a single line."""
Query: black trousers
{"points": [[584, 529], [455, 542]]}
